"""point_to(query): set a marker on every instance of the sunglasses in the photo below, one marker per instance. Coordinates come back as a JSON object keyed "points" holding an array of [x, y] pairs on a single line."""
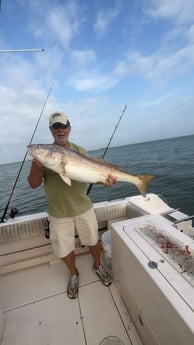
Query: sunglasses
{"points": [[58, 125]]}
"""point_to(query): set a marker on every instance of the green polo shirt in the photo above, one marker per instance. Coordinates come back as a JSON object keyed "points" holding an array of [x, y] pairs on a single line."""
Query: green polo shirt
{"points": [[63, 200]]}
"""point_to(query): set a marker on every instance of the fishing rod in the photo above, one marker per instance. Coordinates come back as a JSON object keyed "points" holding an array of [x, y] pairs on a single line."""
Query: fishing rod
{"points": [[15, 211], [106, 149]]}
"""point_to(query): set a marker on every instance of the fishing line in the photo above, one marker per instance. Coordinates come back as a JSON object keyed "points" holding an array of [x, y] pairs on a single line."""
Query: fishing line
{"points": [[106, 149], [13, 189]]}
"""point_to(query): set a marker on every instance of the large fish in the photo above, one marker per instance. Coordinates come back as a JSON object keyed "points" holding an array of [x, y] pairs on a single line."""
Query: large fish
{"points": [[71, 165]]}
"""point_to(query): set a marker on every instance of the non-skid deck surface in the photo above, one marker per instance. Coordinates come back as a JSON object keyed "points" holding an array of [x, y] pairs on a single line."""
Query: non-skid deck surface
{"points": [[37, 310]]}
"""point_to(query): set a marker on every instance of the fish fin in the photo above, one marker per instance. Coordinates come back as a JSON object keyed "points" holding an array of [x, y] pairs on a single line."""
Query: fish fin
{"points": [[143, 183], [108, 164], [98, 159], [66, 179]]}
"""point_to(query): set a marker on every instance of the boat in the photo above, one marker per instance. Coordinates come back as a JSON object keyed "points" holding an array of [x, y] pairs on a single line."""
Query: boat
{"points": [[146, 245]]}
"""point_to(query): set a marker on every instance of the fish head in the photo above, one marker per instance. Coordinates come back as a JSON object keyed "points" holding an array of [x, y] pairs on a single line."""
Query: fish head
{"points": [[48, 155]]}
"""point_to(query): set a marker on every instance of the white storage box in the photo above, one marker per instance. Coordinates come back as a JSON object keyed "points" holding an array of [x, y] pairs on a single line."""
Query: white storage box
{"points": [[147, 255]]}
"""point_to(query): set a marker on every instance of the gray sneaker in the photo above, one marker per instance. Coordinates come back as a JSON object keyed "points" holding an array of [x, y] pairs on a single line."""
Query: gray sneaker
{"points": [[73, 286], [103, 275]]}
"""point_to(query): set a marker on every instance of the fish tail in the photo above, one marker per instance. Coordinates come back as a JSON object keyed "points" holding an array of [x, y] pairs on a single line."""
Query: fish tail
{"points": [[143, 183]]}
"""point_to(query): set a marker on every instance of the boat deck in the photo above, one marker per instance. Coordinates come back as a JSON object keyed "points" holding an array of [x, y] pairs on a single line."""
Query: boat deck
{"points": [[37, 310]]}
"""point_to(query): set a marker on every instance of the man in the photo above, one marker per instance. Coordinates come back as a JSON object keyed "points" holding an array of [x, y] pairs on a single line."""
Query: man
{"points": [[69, 207]]}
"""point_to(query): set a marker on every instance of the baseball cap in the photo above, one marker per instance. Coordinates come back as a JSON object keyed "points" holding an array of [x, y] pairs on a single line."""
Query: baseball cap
{"points": [[58, 117]]}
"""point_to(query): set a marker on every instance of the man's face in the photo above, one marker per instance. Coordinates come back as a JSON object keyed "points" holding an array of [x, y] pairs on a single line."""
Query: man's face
{"points": [[60, 132]]}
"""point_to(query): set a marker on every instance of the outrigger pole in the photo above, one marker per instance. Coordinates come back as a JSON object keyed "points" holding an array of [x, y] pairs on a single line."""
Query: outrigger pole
{"points": [[21, 50], [106, 149], [12, 191]]}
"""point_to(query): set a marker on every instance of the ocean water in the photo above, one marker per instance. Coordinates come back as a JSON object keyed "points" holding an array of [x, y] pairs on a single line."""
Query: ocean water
{"points": [[170, 160]]}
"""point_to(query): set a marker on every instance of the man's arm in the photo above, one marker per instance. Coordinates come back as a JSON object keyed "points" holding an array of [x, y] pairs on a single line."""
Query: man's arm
{"points": [[35, 176]]}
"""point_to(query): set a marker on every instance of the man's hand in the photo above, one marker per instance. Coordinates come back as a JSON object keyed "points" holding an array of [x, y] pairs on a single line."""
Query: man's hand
{"points": [[35, 176], [35, 161], [110, 180]]}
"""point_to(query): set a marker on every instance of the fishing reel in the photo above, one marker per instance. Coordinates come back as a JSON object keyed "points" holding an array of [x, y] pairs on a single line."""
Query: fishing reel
{"points": [[14, 212]]}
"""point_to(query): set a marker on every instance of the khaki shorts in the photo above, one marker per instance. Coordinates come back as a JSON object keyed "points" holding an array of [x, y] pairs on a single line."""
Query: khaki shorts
{"points": [[62, 232]]}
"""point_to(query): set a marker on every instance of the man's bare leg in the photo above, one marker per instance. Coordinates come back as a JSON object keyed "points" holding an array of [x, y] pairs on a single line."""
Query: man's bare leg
{"points": [[69, 260], [95, 252]]}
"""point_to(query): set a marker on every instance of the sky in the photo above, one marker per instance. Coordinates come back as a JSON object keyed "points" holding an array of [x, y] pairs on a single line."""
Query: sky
{"points": [[99, 56]]}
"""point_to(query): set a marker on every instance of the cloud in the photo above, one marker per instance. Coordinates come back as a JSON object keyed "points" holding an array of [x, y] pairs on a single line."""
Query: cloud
{"points": [[63, 22], [157, 66], [161, 65], [59, 24], [190, 33], [83, 57], [20, 109], [180, 10], [103, 19], [157, 101], [95, 82]]}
